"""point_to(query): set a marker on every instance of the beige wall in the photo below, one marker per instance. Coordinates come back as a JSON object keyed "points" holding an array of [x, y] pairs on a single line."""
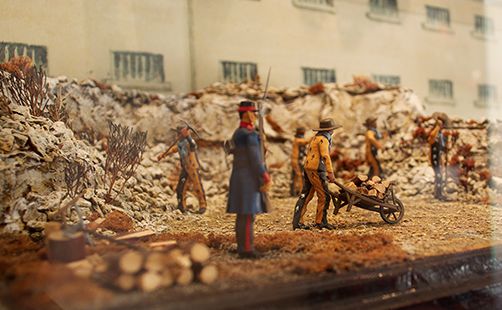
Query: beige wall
{"points": [[80, 34], [279, 34], [194, 36]]}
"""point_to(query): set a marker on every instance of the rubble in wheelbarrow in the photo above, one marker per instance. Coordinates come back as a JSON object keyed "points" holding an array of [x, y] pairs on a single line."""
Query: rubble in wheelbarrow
{"points": [[374, 187]]}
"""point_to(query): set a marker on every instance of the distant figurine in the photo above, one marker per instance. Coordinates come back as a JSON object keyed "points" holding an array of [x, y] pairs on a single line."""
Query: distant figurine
{"points": [[318, 172], [248, 181], [437, 142], [187, 149], [373, 144], [297, 157]]}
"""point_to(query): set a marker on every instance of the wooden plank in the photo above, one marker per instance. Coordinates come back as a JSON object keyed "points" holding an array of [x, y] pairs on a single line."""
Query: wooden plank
{"points": [[167, 243], [137, 234]]}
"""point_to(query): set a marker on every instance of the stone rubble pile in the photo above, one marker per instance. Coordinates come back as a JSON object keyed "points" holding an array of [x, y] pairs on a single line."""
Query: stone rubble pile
{"points": [[34, 149]]}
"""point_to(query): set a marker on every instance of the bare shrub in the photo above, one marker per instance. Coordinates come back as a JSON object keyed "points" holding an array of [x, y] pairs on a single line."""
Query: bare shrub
{"points": [[57, 110], [4, 106], [75, 174], [123, 155], [25, 84]]}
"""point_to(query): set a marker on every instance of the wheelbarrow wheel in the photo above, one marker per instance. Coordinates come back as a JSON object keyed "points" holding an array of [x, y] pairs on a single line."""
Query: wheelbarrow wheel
{"points": [[392, 216]]}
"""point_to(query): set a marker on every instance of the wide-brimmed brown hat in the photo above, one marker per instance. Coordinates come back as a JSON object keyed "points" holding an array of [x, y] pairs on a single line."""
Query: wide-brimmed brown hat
{"points": [[370, 121], [300, 130], [326, 125]]}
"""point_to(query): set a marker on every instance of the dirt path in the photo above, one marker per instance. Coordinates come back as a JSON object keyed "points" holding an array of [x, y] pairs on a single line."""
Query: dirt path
{"points": [[429, 227], [362, 240]]}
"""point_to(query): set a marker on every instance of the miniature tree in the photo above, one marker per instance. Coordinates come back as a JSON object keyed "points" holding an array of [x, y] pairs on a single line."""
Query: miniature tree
{"points": [[123, 155], [25, 84], [75, 175]]}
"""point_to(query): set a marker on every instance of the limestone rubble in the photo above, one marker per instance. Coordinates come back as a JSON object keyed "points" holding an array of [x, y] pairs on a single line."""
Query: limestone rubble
{"points": [[34, 149]]}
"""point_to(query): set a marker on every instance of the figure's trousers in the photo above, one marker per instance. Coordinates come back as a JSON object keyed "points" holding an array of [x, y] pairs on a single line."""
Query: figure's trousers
{"points": [[297, 178], [313, 182], [244, 232], [438, 175], [187, 178], [374, 163]]}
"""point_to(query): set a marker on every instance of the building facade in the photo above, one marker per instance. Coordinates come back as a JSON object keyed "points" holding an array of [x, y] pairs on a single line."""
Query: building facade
{"points": [[447, 51]]}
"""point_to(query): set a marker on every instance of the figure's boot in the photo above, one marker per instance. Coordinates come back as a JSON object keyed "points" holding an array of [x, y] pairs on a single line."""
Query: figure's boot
{"points": [[298, 212]]}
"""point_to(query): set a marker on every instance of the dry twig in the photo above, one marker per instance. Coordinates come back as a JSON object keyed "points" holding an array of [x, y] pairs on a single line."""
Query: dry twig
{"points": [[75, 177], [123, 155]]}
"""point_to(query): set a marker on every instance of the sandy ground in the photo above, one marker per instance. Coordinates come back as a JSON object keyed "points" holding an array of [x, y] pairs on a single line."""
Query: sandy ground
{"points": [[429, 227], [361, 240]]}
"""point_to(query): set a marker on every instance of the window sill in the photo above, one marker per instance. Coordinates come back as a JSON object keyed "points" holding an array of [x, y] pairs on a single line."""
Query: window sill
{"points": [[392, 19], [482, 36], [440, 101], [143, 85], [485, 103], [437, 28], [314, 7]]}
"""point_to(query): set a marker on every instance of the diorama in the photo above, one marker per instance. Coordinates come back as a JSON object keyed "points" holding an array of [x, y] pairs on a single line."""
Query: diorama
{"points": [[242, 194]]}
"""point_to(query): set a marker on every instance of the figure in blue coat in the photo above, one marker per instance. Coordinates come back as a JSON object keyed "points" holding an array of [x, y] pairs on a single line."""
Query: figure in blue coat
{"points": [[249, 179]]}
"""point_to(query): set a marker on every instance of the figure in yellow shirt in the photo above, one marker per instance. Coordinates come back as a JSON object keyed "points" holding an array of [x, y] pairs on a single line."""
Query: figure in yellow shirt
{"points": [[318, 171], [297, 157], [373, 144], [187, 148]]}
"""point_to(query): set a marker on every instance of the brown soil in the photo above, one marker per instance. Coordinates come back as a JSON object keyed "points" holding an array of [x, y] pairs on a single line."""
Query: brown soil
{"points": [[33, 283], [361, 240], [117, 222]]}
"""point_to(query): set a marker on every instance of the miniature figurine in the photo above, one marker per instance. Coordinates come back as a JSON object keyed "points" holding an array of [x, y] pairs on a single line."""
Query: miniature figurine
{"points": [[437, 142], [249, 180], [318, 170], [187, 149], [297, 156], [373, 144]]}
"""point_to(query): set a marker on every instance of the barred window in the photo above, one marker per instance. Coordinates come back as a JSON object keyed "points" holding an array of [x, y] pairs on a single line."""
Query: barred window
{"points": [[316, 75], [438, 16], [138, 66], [239, 71], [441, 89], [483, 25], [487, 93], [384, 7], [387, 79], [37, 53], [323, 5]]}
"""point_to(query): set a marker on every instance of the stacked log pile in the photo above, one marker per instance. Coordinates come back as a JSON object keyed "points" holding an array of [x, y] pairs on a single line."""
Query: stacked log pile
{"points": [[150, 270], [374, 187]]}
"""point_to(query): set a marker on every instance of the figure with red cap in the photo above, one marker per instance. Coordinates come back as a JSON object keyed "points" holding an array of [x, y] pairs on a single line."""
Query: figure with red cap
{"points": [[248, 181]]}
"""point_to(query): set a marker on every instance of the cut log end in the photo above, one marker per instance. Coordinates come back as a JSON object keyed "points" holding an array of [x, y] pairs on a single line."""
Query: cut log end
{"points": [[126, 282], [131, 262], [185, 277], [376, 179], [200, 253], [208, 274], [150, 281]]}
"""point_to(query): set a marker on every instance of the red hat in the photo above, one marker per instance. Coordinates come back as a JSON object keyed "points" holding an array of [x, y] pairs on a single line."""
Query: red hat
{"points": [[246, 105]]}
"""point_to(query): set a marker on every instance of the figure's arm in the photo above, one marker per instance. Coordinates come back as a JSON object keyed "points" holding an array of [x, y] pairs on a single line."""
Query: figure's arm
{"points": [[432, 135], [324, 152], [304, 141], [193, 145], [169, 151], [370, 135], [255, 157]]}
